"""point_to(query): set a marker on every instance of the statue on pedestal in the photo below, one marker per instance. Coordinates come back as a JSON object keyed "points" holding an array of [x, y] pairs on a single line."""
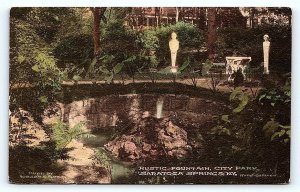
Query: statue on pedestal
{"points": [[266, 49], [174, 46]]}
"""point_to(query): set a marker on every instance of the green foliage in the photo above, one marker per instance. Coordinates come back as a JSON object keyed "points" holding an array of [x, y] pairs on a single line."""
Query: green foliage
{"points": [[149, 40], [138, 141], [118, 41], [50, 23], [220, 130], [206, 67], [225, 118], [75, 50], [102, 157], [31, 59], [215, 79], [25, 46], [117, 68], [184, 66], [249, 135], [191, 69], [109, 74], [274, 130], [276, 96], [43, 99], [122, 50], [47, 71], [33, 38], [187, 34], [76, 78], [49, 76], [63, 134], [166, 70], [242, 97]]}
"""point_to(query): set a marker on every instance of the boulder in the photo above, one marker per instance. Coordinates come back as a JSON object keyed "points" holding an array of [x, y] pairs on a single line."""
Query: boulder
{"points": [[174, 139], [158, 137]]}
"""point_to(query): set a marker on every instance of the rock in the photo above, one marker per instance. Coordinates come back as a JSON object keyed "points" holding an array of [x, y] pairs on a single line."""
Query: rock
{"points": [[129, 147], [153, 152], [159, 138], [123, 147], [146, 147], [129, 151], [174, 140], [170, 129], [146, 114]]}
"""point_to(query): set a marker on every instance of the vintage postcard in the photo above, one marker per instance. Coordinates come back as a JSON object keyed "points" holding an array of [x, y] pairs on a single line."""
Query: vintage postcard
{"points": [[150, 95]]}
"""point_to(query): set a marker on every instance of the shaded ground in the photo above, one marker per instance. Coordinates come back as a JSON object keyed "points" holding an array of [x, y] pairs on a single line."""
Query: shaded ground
{"points": [[80, 166], [34, 158]]}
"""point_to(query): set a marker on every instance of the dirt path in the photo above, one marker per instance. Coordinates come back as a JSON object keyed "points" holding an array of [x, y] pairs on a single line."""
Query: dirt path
{"points": [[201, 82], [79, 168]]}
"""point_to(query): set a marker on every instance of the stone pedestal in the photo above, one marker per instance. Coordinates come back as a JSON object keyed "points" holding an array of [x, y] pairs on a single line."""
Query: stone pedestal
{"points": [[174, 69], [235, 63]]}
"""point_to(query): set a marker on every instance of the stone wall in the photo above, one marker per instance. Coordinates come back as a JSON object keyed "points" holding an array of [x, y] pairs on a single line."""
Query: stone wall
{"points": [[111, 110]]}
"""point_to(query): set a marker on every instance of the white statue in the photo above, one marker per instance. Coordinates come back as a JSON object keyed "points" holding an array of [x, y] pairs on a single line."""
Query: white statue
{"points": [[174, 46], [266, 48]]}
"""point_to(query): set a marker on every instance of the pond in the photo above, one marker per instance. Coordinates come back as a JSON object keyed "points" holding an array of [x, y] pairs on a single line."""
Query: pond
{"points": [[145, 129], [120, 170]]}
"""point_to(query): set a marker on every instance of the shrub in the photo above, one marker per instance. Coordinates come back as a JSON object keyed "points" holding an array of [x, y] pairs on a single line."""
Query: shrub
{"points": [[76, 50], [63, 134], [238, 78]]}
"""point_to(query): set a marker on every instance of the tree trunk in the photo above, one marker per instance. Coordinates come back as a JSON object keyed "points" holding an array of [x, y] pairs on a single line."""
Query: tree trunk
{"points": [[177, 14], [98, 14], [211, 33], [201, 18], [96, 30], [158, 16]]}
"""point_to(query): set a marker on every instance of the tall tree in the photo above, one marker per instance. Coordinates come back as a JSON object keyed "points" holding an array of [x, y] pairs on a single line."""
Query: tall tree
{"points": [[211, 32]]}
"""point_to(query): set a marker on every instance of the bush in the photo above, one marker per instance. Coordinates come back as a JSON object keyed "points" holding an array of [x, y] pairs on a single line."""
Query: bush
{"points": [[257, 132], [75, 49], [25, 47], [238, 78]]}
